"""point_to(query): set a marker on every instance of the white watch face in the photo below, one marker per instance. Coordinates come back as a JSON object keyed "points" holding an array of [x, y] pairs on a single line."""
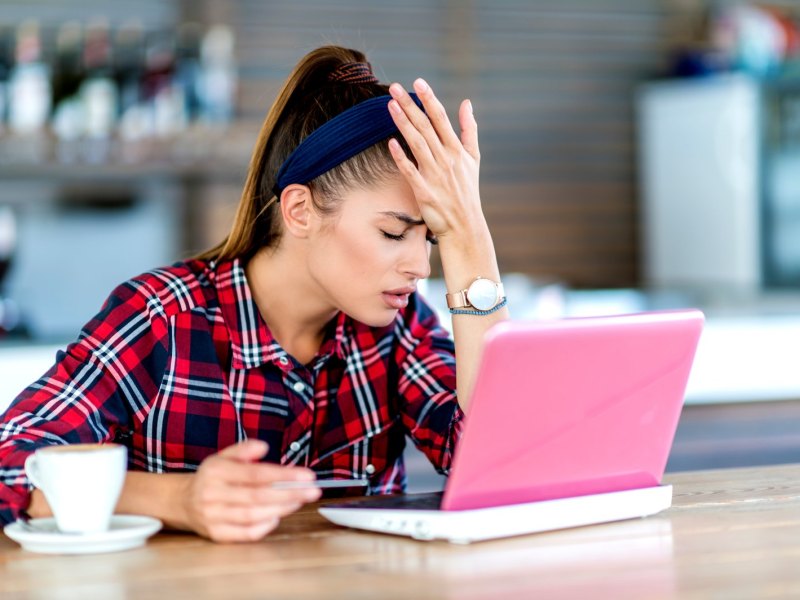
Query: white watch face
{"points": [[482, 294]]}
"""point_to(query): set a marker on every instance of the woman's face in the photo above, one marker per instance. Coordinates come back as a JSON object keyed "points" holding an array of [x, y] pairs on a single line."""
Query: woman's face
{"points": [[369, 256]]}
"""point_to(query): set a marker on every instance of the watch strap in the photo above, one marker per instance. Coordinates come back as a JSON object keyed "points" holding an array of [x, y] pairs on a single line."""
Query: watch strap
{"points": [[457, 299], [495, 308]]}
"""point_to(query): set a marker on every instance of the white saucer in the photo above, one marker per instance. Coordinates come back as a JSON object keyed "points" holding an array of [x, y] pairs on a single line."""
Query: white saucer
{"points": [[125, 532]]}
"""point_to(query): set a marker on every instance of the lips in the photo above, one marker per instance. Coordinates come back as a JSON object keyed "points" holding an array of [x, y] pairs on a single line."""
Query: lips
{"points": [[403, 291], [398, 298]]}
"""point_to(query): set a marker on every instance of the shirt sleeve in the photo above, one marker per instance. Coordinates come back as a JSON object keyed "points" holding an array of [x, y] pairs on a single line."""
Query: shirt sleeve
{"points": [[427, 384], [96, 387]]}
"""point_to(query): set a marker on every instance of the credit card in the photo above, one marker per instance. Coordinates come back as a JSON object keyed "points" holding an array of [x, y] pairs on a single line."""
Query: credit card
{"points": [[323, 484]]}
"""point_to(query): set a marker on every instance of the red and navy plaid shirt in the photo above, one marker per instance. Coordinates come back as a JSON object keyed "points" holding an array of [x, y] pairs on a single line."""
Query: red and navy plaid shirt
{"points": [[179, 364]]}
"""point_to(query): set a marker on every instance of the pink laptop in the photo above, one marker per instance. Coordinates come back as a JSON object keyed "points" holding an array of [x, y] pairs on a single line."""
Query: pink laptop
{"points": [[570, 423]]}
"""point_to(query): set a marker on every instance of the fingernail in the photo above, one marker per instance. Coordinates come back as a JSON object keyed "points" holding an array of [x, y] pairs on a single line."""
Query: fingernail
{"points": [[257, 442], [394, 107], [469, 105], [421, 85], [395, 90]]}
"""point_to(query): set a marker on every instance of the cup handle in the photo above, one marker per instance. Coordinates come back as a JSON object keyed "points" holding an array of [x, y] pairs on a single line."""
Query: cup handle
{"points": [[32, 471]]}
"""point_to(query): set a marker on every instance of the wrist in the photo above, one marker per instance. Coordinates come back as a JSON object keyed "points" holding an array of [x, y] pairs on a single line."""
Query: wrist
{"points": [[466, 259], [159, 495], [176, 507], [38, 506], [475, 234]]}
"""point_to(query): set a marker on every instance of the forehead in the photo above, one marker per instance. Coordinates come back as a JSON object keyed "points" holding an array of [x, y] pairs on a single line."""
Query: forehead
{"points": [[391, 196]]}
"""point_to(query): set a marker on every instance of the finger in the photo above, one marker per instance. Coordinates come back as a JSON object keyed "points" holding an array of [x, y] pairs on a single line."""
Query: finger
{"points": [[437, 115], [420, 146], [469, 129], [418, 120], [255, 474], [242, 533], [247, 515], [245, 495], [247, 451], [408, 169]]}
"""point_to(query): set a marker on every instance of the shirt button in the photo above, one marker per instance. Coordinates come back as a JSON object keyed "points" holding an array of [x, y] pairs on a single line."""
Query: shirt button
{"points": [[294, 446], [369, 469], [298, 386], [283, 360]]}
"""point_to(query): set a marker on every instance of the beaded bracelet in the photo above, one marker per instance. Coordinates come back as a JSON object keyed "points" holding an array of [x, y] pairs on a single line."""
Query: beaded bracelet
{"points": [[461, 311]]}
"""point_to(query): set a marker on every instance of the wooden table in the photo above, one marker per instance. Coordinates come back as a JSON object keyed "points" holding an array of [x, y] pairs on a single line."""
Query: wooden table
{"points": [[730, 534]]}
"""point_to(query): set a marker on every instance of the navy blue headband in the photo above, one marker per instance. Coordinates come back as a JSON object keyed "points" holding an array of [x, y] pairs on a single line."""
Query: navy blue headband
{"points": [[344, 136]]}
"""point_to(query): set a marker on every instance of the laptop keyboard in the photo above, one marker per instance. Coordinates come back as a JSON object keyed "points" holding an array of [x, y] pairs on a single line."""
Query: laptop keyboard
{"points": [[431, 501]]}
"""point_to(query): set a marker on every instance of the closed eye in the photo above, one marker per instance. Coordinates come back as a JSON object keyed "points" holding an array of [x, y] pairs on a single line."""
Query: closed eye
{"points": [[396, 238], [399, 238]]}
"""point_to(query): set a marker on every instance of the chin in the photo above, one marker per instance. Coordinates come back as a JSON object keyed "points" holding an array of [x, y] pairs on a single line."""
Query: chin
{"points": [[383, 318]]}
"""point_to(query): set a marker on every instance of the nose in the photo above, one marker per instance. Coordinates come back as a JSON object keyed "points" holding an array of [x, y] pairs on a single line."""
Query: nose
{"points": [[417, 262]]}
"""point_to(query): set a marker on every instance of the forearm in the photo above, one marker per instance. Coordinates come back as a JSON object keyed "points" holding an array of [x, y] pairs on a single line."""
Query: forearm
{"points": [[157, 495], [465, 257]]}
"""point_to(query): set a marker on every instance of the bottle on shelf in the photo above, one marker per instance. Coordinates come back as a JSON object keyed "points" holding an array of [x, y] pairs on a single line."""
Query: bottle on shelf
{"points": [[69, 114], [68, 73], [129, 67], [30, 96], [218, 76], [135, 122], [98, 92], [188, 68], [164, 96]]}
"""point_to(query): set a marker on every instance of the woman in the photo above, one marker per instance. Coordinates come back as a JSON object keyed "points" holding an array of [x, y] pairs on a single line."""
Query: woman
{"points": [[298, 348]]}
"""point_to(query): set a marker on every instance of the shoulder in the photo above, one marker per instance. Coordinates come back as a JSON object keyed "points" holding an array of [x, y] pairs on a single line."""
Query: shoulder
{"points": [[167, 291]]}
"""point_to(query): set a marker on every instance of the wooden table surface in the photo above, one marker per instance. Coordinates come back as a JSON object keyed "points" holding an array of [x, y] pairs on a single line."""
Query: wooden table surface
{"points": [[730, 534]]}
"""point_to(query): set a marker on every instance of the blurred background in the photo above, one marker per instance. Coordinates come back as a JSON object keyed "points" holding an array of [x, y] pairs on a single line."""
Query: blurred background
{"points": [[636, 154]]}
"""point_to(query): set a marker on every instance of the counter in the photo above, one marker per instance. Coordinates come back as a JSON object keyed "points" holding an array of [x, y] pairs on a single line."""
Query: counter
{"points": [[728, 534]]}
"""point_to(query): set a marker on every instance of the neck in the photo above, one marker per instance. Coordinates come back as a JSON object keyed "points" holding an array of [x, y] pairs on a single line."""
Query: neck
{"points": [[289, 301]]}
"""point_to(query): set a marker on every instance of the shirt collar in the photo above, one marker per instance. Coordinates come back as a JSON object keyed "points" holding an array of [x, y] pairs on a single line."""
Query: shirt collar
{"points": [[252, 343]]}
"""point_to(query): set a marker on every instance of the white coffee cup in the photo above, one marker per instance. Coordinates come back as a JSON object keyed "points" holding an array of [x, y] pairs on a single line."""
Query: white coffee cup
{"points": [[81, 482]]}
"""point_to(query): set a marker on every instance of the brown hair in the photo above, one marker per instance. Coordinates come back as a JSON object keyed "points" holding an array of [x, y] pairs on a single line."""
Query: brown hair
{"points": [[306, 101]]}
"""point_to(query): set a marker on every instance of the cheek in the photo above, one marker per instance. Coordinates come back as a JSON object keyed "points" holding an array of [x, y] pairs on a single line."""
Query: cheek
{"points": [[360, 257]]}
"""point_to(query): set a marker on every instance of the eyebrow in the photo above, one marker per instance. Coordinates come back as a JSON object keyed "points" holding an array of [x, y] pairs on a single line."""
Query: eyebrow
{"points": [[407, 219]]}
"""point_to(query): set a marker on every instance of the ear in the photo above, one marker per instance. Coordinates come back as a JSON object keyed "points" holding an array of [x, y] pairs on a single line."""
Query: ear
{"points": [[297, 209]]}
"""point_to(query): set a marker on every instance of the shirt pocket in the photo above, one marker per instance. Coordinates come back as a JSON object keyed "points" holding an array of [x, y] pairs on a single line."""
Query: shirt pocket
{"points": [[367, 457]]}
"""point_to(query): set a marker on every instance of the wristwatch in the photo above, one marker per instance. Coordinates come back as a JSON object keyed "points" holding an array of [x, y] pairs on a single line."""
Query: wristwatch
{"points": [[481, 295]]}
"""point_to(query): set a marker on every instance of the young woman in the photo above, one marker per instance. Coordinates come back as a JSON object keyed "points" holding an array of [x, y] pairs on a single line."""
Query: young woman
{"points": [[298, 348]]}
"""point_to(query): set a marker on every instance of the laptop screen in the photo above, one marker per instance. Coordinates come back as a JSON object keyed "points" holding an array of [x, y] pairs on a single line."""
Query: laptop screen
{"points": [[573, 407]]}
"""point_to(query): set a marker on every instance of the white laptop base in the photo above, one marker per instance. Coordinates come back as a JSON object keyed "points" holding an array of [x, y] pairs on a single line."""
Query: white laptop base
{"points": [[465, 526]]}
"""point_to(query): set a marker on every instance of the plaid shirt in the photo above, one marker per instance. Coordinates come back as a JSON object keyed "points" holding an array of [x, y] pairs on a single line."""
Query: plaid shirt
{"points": [[179, 364]]}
